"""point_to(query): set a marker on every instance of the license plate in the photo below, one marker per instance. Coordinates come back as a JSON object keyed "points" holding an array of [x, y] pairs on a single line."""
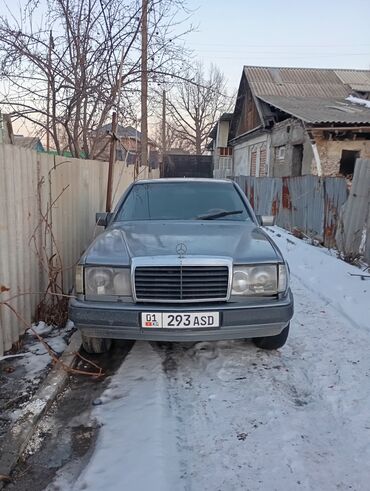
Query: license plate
{"points": [[174, 320]]}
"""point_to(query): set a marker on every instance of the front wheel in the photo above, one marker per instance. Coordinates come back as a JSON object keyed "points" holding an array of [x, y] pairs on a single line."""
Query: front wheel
{"points": [[96, 345], [273, 342]]}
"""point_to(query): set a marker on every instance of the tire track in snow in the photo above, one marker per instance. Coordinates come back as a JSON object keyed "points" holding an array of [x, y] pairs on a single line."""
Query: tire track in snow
{"points": [[227, 416], [275, 420]]}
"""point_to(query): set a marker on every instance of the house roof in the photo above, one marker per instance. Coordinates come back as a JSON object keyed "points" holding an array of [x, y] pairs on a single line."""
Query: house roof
{"points": [[315, 95], [122, 131], [224, 117], [316, 110], [306, 82], [27, 141], [357, 80]]}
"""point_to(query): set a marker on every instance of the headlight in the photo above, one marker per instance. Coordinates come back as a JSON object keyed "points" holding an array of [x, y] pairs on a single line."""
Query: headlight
{"points": [[283, 281], [107, 281], [255, 280]]}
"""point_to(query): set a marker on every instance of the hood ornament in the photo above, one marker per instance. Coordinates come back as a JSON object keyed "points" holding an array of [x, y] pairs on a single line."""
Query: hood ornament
{"points": [[181, 249]]}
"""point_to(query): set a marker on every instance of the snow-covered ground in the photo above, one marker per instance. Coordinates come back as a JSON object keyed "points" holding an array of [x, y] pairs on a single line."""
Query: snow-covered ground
{"points": [[228, 416], [26, 370]]}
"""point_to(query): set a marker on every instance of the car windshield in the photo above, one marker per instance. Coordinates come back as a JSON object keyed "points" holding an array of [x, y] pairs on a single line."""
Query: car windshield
{"points": [[183, 201]]}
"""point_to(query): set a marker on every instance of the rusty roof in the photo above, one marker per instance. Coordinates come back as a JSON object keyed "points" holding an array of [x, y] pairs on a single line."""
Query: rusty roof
{"points": [[305, 82], [316, 110]]}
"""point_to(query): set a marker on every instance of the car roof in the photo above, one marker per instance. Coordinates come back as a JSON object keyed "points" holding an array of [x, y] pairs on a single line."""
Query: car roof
{"points": [[182, 179]]}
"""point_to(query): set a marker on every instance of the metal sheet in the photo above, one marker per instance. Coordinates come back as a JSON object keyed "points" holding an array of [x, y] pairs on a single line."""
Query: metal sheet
{"points": [[299, 82], [358, 80], [72, 216], [321, 110], [354, 217], [308, 204]]}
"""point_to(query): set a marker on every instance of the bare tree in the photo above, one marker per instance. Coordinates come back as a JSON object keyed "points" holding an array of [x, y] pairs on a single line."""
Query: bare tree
{"points": [[195, 105], [65, 75], [172, 140]]}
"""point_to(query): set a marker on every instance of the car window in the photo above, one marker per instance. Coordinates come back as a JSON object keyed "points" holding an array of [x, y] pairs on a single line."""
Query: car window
{"points": [[183, 201]]}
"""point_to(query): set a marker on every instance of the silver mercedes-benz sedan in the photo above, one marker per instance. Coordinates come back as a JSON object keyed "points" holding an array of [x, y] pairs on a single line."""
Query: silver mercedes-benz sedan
{"points": [[182, 260]]}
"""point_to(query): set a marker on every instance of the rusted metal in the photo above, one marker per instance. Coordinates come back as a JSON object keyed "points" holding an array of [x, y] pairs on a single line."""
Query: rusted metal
{"points": [[309, 205], [251, 195], [275, 206], [286, 201]]}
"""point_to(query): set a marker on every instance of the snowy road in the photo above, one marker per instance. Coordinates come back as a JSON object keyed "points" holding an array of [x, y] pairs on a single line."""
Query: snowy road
{"points": [[228, 416]]}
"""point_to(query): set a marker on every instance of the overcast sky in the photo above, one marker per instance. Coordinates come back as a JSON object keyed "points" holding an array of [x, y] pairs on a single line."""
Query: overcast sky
{"points": [[314, 33]]}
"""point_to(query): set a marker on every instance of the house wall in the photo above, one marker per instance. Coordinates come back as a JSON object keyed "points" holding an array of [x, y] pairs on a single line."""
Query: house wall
{"points": [[330, 152], [222, 165], [290, 132], [222, 134], [102, 147], [249, 117], [285, 135], [251, 158]]}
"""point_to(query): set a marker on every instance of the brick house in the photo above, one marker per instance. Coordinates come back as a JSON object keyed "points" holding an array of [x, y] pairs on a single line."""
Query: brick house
{"points": [[128, 145]]}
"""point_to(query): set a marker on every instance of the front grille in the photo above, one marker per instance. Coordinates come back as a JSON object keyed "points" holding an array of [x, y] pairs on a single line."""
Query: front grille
{"points": [[181, 283]]}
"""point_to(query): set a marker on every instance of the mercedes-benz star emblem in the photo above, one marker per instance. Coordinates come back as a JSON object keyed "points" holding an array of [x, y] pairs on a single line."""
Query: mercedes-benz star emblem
{"points": [[181, 249]]}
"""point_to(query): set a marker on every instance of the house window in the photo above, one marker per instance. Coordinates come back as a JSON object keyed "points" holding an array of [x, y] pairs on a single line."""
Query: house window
{"points": [[254, 163], [263, 168], [119, 154], [280, 153], [348, 161], [225, 151], [297, 159]]}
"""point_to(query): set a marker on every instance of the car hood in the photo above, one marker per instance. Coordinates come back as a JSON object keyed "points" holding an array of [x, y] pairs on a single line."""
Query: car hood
{"points": [[242, 241]]}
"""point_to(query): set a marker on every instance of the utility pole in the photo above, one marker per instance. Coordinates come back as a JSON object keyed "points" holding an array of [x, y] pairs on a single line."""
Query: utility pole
{"points": [[51, 45], [144, 83], [112, 158], [164, 149]]}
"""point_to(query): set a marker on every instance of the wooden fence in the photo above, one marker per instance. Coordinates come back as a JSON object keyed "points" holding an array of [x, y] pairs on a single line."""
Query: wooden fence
{"points": [[47, 208]]}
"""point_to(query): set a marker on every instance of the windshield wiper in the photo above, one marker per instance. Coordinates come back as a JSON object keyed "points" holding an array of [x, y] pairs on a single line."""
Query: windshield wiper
{"points": [[221, 214]]}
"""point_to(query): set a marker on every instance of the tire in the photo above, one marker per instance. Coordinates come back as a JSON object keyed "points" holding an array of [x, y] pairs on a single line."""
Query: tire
{"points": [[96, 345], [273, 342]]}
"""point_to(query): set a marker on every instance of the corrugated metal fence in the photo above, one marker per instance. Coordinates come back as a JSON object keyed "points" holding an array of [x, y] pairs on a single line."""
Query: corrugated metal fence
{"points": [[66, 191], [309, 204], [353, 234]]}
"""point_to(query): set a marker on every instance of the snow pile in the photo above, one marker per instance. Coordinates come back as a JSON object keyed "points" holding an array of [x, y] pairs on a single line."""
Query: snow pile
{"points": [[328, 277], [358, 100], [28, 369], [37, 358], [42, 329]]}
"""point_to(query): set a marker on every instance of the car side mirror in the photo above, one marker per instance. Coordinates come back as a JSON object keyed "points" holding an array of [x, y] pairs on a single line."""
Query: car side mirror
{"points": [[103, 219], [266, 220]]}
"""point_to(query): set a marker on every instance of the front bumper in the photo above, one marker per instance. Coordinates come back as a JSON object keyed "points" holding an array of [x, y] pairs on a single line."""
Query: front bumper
{"points": [[246, 318]]}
